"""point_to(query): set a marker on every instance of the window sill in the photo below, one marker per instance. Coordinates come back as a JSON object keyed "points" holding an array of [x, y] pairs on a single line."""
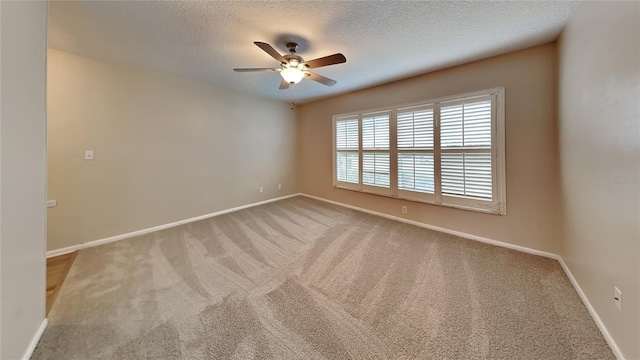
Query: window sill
{"points": [[455, 206]]}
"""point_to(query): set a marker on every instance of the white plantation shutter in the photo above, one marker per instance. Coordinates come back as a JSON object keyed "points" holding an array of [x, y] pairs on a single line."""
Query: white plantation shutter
{"points": [[415, 128], [415, 172], [466, 124], [447, 152], [467, 152], [348, 167], [415, 152], [347, 134], [376, 169], [347, 145], [467, 174], [375, 132]]}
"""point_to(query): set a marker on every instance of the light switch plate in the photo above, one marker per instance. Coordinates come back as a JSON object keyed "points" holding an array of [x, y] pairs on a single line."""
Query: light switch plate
{"points": [[52, 203], [88, 155]]}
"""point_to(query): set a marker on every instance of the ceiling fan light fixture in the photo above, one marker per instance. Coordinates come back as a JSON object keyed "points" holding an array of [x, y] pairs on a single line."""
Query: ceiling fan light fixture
{"points": [[292, 75]]}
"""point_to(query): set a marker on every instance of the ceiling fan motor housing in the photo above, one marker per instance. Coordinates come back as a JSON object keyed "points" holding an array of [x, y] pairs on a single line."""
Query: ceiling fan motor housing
{"points": [[293, 60]]}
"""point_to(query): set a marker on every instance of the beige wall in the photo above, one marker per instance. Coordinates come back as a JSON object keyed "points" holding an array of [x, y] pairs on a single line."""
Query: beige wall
{"points": [[531, 151], [166, 149], [22, 174], [599, 116]]}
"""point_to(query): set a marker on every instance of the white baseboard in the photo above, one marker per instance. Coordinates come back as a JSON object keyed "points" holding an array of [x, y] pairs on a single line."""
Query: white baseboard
{"points": [[603, 329], [65, 250], [110, 239], [440, 229], [34, 341]]}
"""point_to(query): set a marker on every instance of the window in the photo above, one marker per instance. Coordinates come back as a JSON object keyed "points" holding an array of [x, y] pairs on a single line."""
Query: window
{"points": [[362, 156], [376, 171], [416, 170], [447, 151], [347, 145]]}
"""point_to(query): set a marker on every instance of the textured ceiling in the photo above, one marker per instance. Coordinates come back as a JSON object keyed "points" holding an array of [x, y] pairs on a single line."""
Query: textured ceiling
{"points": [[383, 41]]}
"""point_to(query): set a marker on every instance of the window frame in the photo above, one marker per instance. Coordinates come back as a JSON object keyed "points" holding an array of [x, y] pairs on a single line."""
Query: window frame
{"points": [[408, 194], [374, 189], [346, 184], [498, 154]]}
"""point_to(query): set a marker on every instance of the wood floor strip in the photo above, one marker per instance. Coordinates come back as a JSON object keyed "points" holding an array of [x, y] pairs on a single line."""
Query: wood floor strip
{"points": [[57, 269]]}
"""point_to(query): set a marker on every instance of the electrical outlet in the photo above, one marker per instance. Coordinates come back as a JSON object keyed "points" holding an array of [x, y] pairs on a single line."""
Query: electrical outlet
{"points": [[88, 155], [261, 189], [617, 298], [279, 186], [404, 209], [52, 203]]}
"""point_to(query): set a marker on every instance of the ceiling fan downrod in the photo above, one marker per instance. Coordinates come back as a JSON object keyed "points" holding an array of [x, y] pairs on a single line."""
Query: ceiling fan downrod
{"points": [[293, 47]]}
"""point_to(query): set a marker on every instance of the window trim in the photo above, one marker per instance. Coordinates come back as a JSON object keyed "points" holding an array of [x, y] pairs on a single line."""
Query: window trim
{"points": [[498, 155]]}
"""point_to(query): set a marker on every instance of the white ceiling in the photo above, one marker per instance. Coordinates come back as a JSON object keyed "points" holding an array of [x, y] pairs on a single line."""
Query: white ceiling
{"points": [[382, 41]]}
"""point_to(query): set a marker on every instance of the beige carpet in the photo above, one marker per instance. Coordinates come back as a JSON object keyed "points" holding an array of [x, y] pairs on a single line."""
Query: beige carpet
{"points": [[302, 279]]}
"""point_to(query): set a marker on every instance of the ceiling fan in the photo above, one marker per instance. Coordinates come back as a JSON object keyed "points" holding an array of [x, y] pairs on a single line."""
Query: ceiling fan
{"points": [[293, 68]]}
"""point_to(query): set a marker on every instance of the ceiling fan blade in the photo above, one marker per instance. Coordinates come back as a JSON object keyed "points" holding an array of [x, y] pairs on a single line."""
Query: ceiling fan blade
{"points": [[321, 79], [327, 60], [284, 85], [271, 51], [255, 69]]}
